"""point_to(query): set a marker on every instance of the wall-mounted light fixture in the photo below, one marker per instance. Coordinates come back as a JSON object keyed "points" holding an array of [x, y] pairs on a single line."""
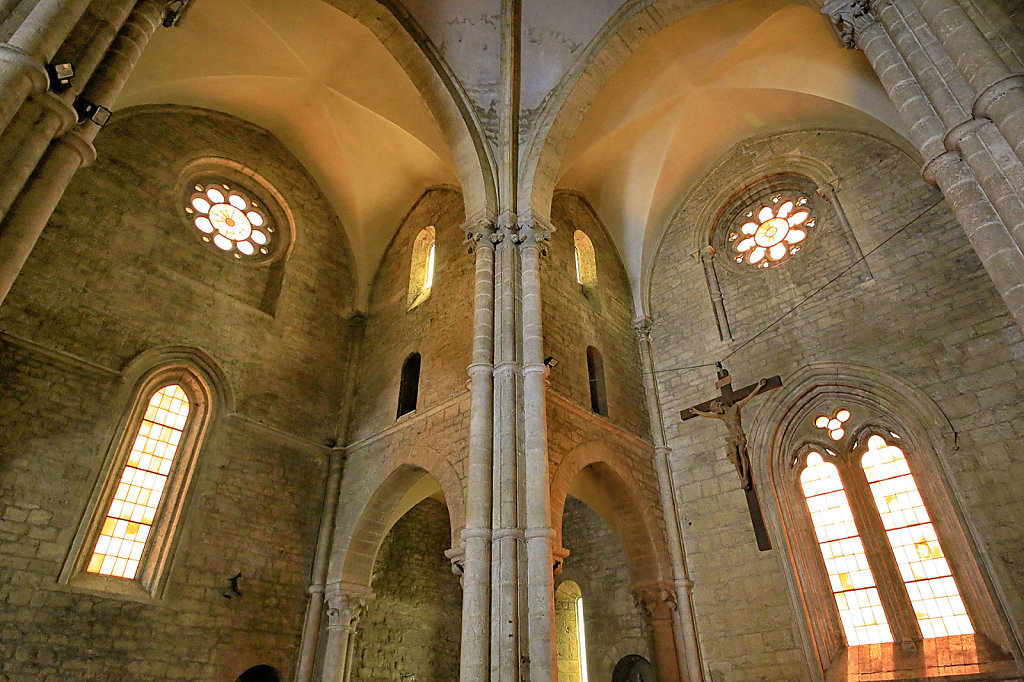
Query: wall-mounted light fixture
{"points": [[231, 591], [60, 75], [550, 362], [87, 111]]}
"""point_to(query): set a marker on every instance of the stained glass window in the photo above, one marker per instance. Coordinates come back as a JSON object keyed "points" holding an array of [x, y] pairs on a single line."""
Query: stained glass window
{"points": [[850, 576], [939, 609], [129, 518], [771, 230], [229, 218]]}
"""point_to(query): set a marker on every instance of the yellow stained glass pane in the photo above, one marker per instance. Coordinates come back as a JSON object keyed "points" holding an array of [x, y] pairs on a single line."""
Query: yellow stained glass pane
{"points": [[923, 567], [123, 536], [849, 574]]}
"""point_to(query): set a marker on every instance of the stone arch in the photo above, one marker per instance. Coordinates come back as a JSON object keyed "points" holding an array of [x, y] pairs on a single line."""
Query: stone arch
{"points": [[394, 490], [778, 434], [196, 359], [608, 488]]}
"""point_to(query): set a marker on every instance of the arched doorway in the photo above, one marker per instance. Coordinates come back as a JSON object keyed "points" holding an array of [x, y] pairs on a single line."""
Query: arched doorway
{"points": [[633, 668]]}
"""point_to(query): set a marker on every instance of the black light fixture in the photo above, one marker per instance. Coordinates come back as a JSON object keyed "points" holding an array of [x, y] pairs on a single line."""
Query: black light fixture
{"points": [[60, 75], [550, 362], [88, 111], [231, 591]]}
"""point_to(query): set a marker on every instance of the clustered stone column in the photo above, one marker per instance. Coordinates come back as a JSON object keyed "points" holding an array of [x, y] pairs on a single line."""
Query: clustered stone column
{"points": [[41, 171], [345, 605], [687, 649], [963, 107], [707, 259]]}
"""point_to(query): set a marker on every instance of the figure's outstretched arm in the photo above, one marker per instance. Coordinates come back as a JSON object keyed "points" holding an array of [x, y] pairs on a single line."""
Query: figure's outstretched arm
{"points": [[714, 415], [757, 390]]}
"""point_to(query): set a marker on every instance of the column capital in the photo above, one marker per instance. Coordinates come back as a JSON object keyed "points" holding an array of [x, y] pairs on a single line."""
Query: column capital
{"points": [[558, 557], [707, 253], [849, 18], [656, 599], [345, 604], [643, 326], [175, 11], [457, 555], [533, 230], [479, 229]]}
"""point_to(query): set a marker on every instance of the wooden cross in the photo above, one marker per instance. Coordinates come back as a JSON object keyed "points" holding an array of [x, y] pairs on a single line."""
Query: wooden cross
{"points": [[727, 408]]}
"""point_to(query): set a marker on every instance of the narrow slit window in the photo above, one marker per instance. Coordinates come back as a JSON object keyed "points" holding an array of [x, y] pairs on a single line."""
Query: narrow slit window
{"points": [[933, 591], [408, 390], [595, 370], [122, 538], [422, 266], [849, 574], [586, 260]]}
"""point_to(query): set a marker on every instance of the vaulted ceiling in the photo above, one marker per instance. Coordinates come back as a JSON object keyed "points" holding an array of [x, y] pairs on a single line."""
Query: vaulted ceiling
{"points": [[327, 86]]}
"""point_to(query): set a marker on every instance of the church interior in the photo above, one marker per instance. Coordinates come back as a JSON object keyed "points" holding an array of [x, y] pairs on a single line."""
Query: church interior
{"points": [[511, 340]]}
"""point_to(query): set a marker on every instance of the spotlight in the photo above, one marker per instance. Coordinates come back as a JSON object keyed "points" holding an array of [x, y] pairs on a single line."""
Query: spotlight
{"points": [[550, 362], [60, 75], [87, 111]]}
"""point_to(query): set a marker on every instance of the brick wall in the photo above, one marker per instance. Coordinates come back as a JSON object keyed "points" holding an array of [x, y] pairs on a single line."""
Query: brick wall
{"points": [[413, 625], [117, 273], [923, 309]]}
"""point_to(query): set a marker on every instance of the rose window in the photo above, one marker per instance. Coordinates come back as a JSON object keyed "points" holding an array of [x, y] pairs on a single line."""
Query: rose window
{"points": [[772, 231], [231, 219]]}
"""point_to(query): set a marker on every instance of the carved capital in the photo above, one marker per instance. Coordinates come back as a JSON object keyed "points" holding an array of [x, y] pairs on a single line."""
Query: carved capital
{"points": [[558, 557], [707, 254], [457, 555], [479, 229], [643, 326], [533, 230], [345, 604], [175, 11], [656, 600], [850, 18]]}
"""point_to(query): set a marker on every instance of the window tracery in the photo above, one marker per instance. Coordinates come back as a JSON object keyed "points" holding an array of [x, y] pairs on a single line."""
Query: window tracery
{"points": [[771, 230], [231, 219]]}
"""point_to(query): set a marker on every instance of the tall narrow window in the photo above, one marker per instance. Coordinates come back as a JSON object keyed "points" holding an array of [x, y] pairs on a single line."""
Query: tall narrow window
{"points": [[930, 584], [586, 261], [408, 391], [130, 516], [571, 637], [595, 369], [124, 544], [853, 584], [422, 267]]}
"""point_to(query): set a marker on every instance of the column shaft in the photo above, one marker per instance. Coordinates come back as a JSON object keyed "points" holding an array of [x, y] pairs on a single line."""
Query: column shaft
{"points": [[684, 621], [1000, 92], [476, 580], [539, 534], [987, 233], [23, 224]]}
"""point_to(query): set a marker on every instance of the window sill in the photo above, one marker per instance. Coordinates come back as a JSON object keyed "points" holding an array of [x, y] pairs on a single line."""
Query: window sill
{"points": [[960, 658]]}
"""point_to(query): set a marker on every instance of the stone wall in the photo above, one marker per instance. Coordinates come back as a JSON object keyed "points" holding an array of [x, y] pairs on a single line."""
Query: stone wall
{"points": [[117, 273], [921, 308], [413, 625], [574, 319], [439, 329], [613, 624]]}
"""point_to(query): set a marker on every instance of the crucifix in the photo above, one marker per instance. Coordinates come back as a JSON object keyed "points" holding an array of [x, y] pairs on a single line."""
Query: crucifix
{"points": [[727, 408]]}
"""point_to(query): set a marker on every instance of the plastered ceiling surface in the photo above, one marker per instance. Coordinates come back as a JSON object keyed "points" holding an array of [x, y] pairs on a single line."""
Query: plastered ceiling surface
{"points": [[325, 86], [692, 91]]}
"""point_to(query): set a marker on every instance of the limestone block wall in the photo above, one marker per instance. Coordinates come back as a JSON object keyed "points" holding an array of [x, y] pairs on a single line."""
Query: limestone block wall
{"points": [[439, 329], [921, 308], [413, 625], [614, 625], [117, 273], [573, 320]]}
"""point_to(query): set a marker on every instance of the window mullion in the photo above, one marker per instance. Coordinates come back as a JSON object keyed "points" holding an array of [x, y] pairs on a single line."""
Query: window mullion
{"points": [[893, 594]]}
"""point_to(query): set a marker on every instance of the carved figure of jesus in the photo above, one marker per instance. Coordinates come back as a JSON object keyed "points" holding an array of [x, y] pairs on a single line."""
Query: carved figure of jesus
{"points": [[736, 439]]}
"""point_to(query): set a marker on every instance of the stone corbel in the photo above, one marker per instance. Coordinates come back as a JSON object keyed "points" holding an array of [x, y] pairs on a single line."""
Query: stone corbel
{"points": [[457, 555], [849, 18], [558, 557], [345, 604], [657, 600]]}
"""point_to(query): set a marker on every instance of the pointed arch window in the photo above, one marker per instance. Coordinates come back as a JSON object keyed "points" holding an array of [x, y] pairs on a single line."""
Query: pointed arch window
{"points": [[125, 541], [422, 266]]}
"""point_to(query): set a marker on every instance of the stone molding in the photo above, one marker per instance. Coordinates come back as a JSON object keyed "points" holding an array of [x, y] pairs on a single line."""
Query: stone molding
{"points": [[849, 19]]}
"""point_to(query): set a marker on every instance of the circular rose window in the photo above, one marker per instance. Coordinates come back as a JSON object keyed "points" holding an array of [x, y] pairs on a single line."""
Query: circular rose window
{"points": [[771, 230], [231, 219]]}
